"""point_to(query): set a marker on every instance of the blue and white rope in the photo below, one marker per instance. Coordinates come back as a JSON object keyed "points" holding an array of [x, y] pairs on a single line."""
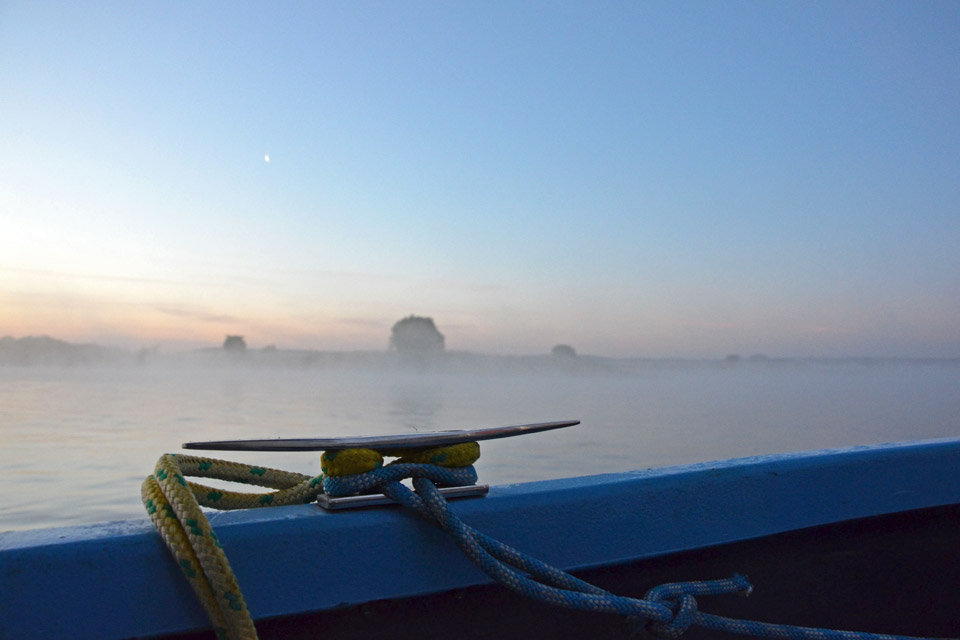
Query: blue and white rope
{"points": [[666, 611]]}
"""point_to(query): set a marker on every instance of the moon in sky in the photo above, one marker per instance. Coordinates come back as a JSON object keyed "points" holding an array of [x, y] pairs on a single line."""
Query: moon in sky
{"points": [[266, 158]]}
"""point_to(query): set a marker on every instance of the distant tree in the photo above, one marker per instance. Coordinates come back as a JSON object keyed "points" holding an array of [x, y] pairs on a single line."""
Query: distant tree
{"points": [[416, 334], [564, 351], [234, 343], [44, 349]]}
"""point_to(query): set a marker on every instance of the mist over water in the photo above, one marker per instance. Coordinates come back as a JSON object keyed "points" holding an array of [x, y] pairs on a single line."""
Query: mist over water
{"points": [[77, 441]]}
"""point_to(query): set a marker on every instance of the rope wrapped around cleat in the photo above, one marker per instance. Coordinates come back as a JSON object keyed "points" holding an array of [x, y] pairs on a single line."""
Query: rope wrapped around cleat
{"points": [[173, 503]]}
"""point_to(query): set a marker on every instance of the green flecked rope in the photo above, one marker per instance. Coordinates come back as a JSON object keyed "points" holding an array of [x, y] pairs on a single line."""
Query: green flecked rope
{"points": [[173, 504]]}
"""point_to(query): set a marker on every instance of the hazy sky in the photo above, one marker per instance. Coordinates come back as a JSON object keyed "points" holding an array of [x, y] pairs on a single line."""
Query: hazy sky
{"points": [[634, 179]]}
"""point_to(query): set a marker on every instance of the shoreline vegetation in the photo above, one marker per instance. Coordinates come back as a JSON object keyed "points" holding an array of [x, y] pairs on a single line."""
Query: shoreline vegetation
{"points": [[46, 351]]}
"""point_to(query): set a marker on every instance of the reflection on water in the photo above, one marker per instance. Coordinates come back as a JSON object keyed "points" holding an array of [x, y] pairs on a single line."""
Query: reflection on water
{"points": [[77, 442], [415, 404]]}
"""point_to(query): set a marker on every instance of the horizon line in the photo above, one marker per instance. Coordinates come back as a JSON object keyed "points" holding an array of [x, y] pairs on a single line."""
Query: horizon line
{"points": [[730, 358]]}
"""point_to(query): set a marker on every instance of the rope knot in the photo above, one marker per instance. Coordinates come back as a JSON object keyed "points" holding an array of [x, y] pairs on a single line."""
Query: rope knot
{"points": [[684, 607], [679, 598]]}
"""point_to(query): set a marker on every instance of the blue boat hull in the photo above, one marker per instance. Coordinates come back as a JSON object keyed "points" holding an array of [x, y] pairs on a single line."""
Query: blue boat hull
{"points": [[894, 574], [863, 538]]}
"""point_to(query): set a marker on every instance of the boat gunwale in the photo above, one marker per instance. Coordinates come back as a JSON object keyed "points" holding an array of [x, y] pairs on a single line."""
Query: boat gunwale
{"points": [[292, 560]]}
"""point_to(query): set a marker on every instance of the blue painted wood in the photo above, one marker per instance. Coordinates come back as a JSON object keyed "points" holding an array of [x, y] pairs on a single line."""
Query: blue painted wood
{"points": [[116, 580]]}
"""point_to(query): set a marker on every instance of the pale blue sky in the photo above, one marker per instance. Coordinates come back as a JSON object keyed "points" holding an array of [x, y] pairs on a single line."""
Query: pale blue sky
{"points": [[635, 179]]}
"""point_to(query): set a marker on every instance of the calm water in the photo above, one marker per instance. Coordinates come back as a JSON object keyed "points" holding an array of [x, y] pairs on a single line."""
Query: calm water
{"points": [[77, 442]]}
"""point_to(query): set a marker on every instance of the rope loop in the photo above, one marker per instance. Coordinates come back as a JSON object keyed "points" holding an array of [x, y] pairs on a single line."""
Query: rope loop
{"points": [[463, 454], [350, 461], [679, 598], [672, 590], [374, 481]]}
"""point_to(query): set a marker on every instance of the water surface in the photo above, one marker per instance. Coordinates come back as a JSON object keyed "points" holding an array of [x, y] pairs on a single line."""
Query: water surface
{"points": [[77, 442]]}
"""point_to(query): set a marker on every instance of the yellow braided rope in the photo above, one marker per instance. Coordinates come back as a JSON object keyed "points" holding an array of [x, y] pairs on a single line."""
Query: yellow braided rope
{"points": [[173, 504], [457, 455], [350, 461]]}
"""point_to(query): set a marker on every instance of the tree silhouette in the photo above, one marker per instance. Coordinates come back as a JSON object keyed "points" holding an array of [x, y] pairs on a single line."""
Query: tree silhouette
{"points": [[234, 343], [417, 334], [564, 351]]}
